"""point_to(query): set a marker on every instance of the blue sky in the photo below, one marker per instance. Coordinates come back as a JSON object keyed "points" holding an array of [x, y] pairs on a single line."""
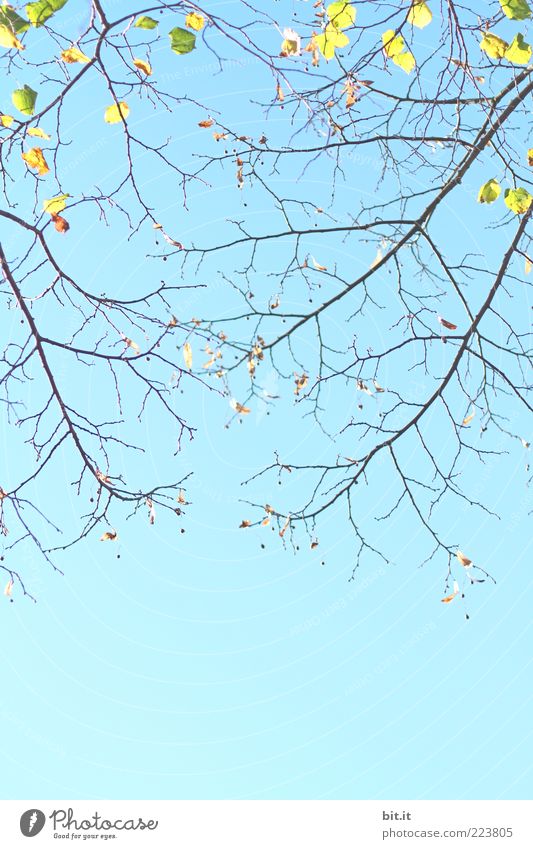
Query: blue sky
{"points": [[200, 664]]}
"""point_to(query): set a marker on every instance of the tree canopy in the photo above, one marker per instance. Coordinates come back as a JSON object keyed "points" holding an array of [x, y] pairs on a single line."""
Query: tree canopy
{"points": [[372, 250]]}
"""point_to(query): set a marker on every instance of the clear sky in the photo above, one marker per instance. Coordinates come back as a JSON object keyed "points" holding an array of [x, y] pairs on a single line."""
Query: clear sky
{"points": [[202, 665]]}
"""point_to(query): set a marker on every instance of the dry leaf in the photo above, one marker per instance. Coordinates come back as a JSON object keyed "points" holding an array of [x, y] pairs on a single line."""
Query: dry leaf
{"points": [[447, 324], [318, 266], [220, 136], [314, 544], [469, 418], [377, 387], [61, 224], [363, 387], [34, 158], [187, 355], [239, 408], [245, 523], [279, 93], [528, 265], [131, 344], [109, 535], [301, 382], [8, 591], [74, 54], [181, 497], [451, 597], [3, 494], [151, 511], [143, 66], [286, 525], [207, 122], [38, 133], [524, 442], [463, 559]]}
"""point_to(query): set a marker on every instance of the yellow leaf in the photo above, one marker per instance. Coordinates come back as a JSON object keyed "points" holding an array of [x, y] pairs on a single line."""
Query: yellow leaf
{"points": [[468, 419], [394, 47], [493, 45], [34, 158], [518, 200], [9, 39], [116, 113], [463, 559], [109, 535], [194, 21], [528, 265], [40, 134], [74, 54], [143, 66], [6, 120], [420, 15], [55, 205], [518, 52], [530, 157], [330, 40], [489, 191], [187, 355]]}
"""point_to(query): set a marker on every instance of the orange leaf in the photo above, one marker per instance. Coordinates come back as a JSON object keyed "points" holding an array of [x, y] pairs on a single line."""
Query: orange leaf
{"points": [[447, 324], [34, 158], [61, 224], [208, 122], [463, 559], [108, 535]]}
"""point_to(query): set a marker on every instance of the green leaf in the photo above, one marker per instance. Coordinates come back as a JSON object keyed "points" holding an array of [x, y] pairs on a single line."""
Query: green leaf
{"points": [[518, 52], [181, 40], [493, 45], [341, 14], [39, 12], [10, 18], [329, 40], [489, 192], [518, 200], [517, 10], [24, 100], [420, 15], [144, 22]]}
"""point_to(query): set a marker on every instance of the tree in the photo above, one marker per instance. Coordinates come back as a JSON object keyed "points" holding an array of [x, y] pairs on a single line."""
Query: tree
{"points": [[391, 122]]}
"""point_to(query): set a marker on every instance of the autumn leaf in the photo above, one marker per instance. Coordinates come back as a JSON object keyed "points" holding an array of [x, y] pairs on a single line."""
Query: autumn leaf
{"points": [[181, 497], [131, 344], [528, 265], [291, 44], [8, 590], [12, 20], [187, 355], [341, 14], [524, 442], [518, 52], [55, 205], [143, 66], [38, 133], [463, 559], [516, 10], [285, 526], [279, 93], [220, 136], [395, 49], [363, 387], [3, 494], [116, 113], [239, 408], [61, 224], [34, 158], [194, 21], [518, 200], [318, 266], [420, 15], [301, 382], [245, 523], [493, 45], [455, 593], [314, 544], [207, 122], [145, 22], [151, 511], [8, 39], [42, 10], [24, 100], [74, 54], [329, 41], [489, 191], [6, 120], [468, 419], [447, 324], [377, 387], [530, 157], [182, 41], [109, 535]]}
